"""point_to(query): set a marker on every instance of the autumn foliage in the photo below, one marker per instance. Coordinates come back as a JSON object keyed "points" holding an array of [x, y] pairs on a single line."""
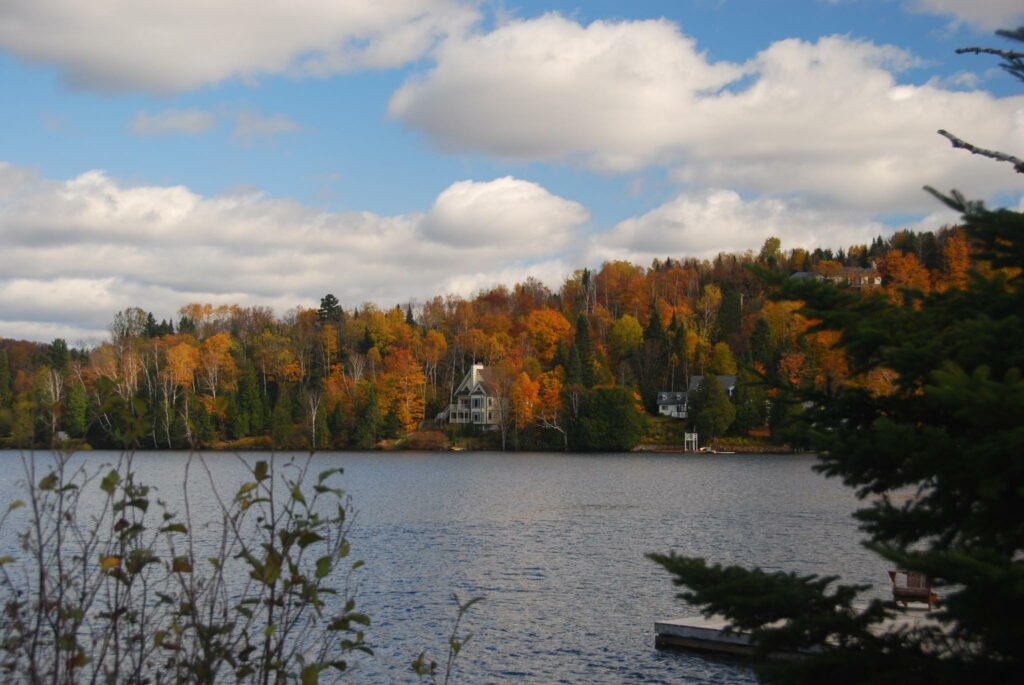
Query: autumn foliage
{"points": [[351, 377]]}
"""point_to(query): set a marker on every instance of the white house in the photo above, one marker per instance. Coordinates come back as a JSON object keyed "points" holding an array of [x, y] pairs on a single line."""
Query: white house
{"points": [[474, 401], [674, 404]]}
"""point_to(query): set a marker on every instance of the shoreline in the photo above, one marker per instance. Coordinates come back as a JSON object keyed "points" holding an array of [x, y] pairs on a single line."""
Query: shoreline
{"points": [[724, 450]]}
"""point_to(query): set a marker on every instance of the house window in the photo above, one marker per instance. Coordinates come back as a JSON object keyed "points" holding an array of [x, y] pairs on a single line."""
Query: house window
{"points": [[476, 403]]}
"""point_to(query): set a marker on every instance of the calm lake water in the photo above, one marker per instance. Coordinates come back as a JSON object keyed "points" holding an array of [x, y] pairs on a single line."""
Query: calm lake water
{"points": [[555, 543]]}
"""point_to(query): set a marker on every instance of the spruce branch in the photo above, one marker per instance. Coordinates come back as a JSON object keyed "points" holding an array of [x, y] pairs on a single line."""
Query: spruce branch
{"points": [[1018, 163], [1008, 55]]}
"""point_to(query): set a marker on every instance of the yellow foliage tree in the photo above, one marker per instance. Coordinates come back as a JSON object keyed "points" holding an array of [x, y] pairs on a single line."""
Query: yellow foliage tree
{"points": [[545, 328]]}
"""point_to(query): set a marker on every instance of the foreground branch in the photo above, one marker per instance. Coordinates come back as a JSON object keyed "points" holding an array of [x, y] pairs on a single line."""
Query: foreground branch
{"points": [[1018, 164], [1008, 55]]}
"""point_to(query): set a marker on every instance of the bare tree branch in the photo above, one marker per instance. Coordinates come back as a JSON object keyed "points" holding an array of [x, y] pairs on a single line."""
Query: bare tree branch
{"points": [[1018, 164]]}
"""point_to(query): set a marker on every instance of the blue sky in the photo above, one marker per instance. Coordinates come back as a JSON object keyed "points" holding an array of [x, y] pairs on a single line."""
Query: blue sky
{"points": [[155, 154]]}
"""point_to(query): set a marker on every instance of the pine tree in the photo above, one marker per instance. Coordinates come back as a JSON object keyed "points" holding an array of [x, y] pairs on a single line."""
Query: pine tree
{"points": [[730, 314], [75, 420], [710, 410], [761, 349], [574, 367], [585, 350], [749, 398], [250, 404], [5, 380], [330, 310], [950, 432], [364, 433], [202, 426], [283, 425]]}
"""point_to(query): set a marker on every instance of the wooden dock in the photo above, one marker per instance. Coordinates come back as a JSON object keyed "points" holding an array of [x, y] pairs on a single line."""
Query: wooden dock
{"points": [[701, 634], [710, 635]]}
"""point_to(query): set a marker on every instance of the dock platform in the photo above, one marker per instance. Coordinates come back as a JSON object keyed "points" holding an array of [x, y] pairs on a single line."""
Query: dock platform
{"points": [[710, 635]]}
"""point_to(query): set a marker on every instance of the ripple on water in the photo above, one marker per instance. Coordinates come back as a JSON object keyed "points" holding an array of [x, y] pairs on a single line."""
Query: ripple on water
{"points": [[556, 544]]}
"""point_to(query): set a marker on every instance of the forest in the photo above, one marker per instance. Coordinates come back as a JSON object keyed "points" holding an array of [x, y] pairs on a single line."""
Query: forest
{"points": [[578, 368]]}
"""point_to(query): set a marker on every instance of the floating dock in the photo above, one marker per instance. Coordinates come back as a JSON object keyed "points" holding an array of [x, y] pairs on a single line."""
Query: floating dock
{"points": [[702, 634], [710, 634]]}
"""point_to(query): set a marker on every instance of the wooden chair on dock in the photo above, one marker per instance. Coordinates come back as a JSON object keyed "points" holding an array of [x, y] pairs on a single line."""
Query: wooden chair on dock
{"points": [[912, 586]]}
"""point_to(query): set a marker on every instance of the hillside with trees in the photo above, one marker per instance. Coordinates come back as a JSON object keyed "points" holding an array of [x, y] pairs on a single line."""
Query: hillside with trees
{"points": [[350, 376]]}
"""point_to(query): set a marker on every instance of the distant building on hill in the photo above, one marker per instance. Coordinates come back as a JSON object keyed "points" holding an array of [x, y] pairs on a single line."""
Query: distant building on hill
{"points": [[854, 276], [475, 401], [674, 404]]}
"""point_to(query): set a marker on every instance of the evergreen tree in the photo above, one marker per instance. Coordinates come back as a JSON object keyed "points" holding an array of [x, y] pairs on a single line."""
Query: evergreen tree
{"points": [[364, 433], [749, 398], [251, 411], [681, 367], [730, 314], [655, 328], [75, 418], [710, 409], [761, 349], [366, 344], [391, 426], [238, 420], [560, 358], [203, 433], [949, 431], [150, 330], [336, 423], [652, 363], [58, 355], [408, 315], [283, 425], [585, 350], [5, 380], [186, 325], [574, 367], [330, 310], [609, 420]]}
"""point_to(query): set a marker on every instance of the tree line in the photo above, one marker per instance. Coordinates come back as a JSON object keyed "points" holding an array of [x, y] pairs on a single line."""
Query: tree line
{"points": [[566, 363]]}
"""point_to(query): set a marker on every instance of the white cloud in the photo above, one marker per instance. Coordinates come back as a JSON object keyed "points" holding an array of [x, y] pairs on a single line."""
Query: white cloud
{"points": [[702, 224], [828, 119], [548, 88], [517, 216], [160, 46], [250, 125], [986, 15], [173, 121], [77, 251]]}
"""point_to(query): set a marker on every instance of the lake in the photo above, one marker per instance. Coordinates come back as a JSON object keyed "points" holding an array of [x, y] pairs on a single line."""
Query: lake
{"points": [[555, 543]]}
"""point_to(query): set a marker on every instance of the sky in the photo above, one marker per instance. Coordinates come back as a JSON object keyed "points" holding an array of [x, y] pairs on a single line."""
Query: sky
{"points": [[264, 152]]}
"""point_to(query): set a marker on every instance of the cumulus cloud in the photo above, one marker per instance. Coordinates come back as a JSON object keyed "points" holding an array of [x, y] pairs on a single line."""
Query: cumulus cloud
{"points": [[702, 224], [549, 88], [250, 125], [173, 121], [508, 213], [77, 251], [165, 47], [828, 118], [986, 15]]}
